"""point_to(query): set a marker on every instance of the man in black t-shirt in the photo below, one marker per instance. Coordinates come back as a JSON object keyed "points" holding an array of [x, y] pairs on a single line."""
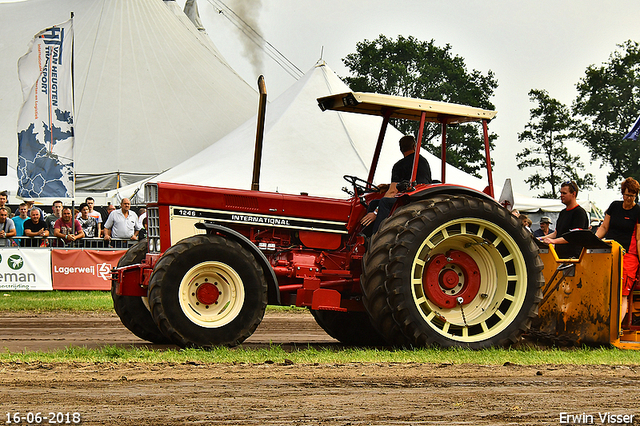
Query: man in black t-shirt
{"points": [[401, 171], [572, 217], [36, 228]]}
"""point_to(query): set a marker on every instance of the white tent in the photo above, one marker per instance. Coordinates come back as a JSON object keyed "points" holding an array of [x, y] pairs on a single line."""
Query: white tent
{"points": [[531, 205], [150, 89], [9, 182], [305, 149]]}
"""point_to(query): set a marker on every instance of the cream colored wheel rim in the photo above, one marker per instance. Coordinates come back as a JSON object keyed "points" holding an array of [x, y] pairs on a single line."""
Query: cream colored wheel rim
{"points": [[503, 282], [211, 311]]}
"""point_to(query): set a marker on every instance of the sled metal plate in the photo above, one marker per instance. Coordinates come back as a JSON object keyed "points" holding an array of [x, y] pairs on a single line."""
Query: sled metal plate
{"points": [[583, 307], [586, 239]]}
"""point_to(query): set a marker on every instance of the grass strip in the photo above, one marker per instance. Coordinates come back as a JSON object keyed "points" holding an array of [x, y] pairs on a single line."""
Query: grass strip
{"points": [[310, 355], [46, 301], [69, 301]]}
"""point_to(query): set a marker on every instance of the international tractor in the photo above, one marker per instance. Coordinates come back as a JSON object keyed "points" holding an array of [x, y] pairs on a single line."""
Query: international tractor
{"points": [[450, 266]]}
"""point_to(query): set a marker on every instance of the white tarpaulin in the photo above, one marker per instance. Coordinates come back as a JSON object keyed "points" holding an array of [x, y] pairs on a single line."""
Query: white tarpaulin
{"points": [[45, 123], [150, 89]]}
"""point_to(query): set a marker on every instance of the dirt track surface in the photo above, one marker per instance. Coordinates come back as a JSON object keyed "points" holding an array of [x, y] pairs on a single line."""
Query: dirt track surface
{"points": [[274, 394]]}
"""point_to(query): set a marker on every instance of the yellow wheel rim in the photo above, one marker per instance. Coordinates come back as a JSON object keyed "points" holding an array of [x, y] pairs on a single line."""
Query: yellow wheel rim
{"points": [[503, 282], [211, 294]]}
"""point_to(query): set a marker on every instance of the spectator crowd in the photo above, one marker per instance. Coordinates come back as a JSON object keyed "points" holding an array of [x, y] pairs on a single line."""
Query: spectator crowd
{"points": [[64, 226]]}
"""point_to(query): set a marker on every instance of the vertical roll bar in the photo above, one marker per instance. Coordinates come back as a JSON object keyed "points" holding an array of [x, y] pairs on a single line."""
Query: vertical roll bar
{"points": [[485, 132], [443, 153], [376, 154], [416, 155]]}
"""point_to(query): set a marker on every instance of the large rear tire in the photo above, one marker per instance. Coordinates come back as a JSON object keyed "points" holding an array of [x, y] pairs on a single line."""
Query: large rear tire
{"points": [[134, 310], [459, 271], [207, 291], [374, 272], [350, 328]]}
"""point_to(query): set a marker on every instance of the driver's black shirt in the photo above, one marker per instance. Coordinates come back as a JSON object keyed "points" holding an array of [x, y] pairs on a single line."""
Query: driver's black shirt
{"points": [[403, 168]]}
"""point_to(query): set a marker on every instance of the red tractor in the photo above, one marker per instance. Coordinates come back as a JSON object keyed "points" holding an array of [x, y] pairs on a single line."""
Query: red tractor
{"points": [[449, 266]]}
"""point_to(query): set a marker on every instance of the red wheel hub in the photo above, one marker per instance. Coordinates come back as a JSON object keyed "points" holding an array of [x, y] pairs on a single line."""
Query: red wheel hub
{"points": [[207, 293], [449, 279], [450, 276]]}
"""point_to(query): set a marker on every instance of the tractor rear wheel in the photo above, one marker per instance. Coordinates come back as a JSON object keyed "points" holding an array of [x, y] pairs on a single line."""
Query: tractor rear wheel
{"points": [[374, 272], [207, 291], [134, 310], [350, 328], [459, 271]]}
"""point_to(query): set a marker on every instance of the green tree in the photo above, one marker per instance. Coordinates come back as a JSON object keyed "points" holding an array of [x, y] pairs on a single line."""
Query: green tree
{"points": [[608, 104], [548, 129], [420, 69]]}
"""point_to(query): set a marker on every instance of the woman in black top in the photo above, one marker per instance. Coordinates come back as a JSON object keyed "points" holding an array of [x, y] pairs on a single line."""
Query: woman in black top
{"points": [[621, 217], [620, 225]]}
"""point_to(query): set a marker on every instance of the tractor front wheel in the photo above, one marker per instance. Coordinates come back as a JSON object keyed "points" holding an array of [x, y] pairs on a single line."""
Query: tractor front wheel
{"points": [[207, 291]]}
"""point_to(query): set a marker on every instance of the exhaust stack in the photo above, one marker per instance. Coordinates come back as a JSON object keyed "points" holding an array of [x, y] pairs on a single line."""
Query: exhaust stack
{"points": [[257, 154]]}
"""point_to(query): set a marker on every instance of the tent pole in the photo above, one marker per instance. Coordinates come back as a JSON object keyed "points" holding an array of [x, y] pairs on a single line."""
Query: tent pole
{"points": [[73, 114]]}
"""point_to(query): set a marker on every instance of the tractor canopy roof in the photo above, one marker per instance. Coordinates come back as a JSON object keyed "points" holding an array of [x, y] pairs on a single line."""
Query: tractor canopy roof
{"points": [[401, 107]]}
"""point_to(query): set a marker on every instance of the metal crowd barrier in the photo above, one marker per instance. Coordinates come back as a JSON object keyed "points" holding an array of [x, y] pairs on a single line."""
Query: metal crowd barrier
{"points": [[83, 243]]}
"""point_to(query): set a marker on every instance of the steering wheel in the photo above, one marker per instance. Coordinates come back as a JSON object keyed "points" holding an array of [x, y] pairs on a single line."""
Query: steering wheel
{"points": [[361, 186]]}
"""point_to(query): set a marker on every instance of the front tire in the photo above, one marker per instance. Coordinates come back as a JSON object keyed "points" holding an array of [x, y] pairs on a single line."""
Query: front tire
{"points": [[134, 310], [207, 291], [460, 271]]}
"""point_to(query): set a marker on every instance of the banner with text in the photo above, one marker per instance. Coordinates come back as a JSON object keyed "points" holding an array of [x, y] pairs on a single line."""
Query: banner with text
{"points": [[83, 269], [25, 269], [45, 122]]}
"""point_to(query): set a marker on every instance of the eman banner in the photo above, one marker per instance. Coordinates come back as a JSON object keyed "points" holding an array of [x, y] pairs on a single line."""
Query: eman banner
{"points": [[45, 123], [25, 269]]}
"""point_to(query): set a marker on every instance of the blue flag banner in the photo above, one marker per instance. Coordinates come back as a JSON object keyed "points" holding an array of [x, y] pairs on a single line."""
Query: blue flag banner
{"points": [[45, 123], [635, 131]]}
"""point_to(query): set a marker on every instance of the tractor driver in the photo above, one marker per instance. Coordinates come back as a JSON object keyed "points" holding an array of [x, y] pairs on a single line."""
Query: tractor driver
{"points": [[380, 209]]}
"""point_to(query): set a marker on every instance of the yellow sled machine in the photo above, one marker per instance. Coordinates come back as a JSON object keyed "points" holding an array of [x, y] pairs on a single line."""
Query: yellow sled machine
{"points": [[582, 297]]}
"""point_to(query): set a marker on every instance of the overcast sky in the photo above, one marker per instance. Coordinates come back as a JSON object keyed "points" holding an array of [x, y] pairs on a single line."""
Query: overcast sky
{"points": [[538, 44]]}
